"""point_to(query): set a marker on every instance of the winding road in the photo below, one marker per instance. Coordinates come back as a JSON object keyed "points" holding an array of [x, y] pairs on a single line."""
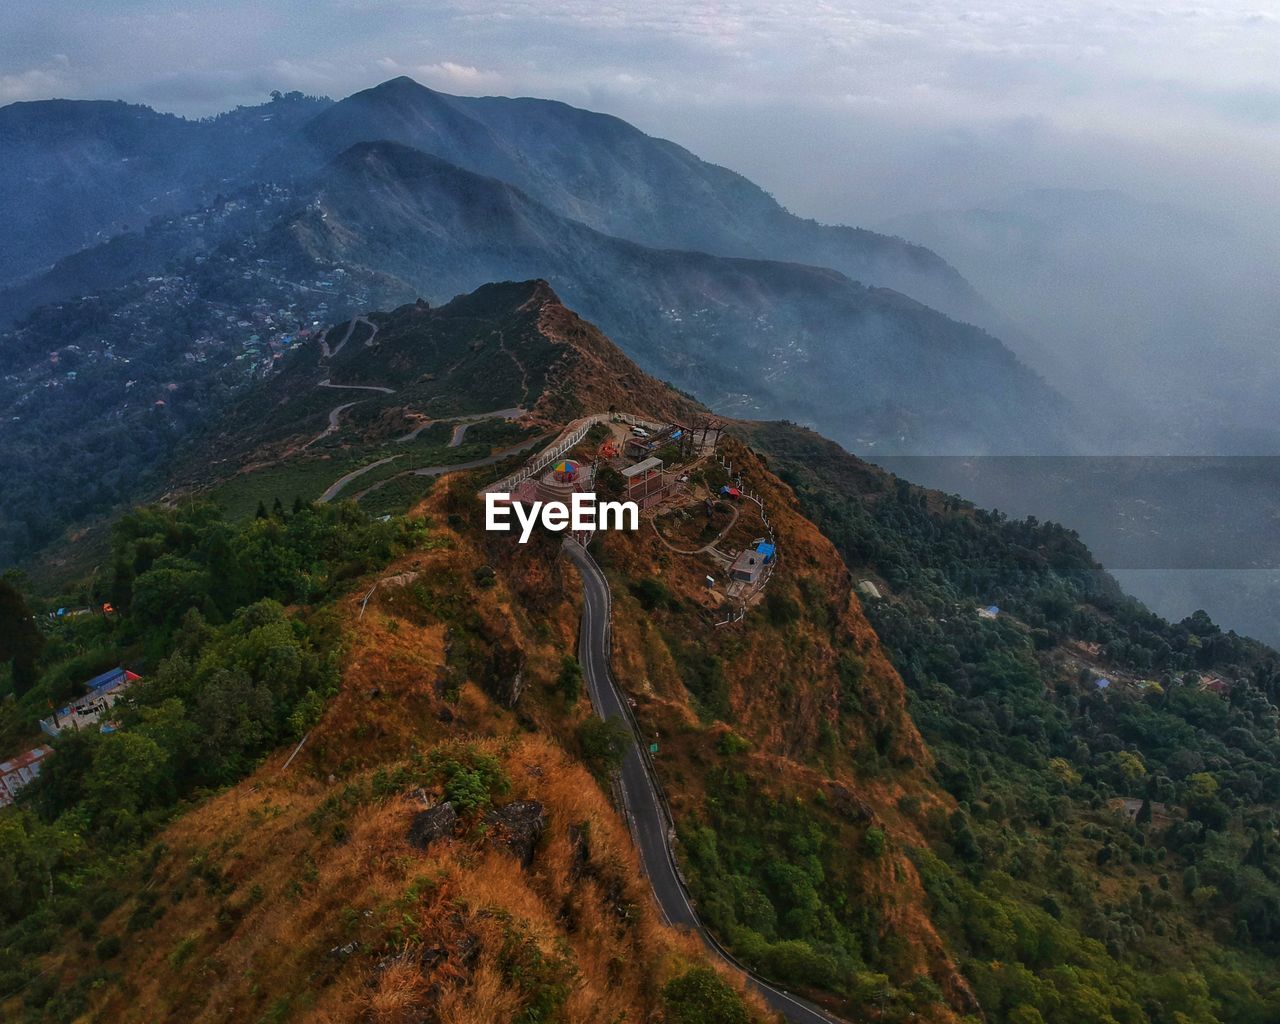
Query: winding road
{"points": [[460, 430], [453, 467], [650, 825]]}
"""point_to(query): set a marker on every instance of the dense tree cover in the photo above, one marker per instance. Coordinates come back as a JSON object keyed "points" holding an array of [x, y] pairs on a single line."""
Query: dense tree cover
{"points": [[1070, 908], [20, 639], [772, 879], [229, 674]]}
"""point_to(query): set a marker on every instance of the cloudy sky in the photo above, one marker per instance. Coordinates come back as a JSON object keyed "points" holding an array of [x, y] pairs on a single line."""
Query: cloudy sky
{"points": [[846, 110]]}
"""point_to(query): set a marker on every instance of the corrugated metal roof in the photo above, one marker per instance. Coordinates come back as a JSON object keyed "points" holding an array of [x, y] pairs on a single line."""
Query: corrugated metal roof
{"points": [[98, 682], [24, 760], [647, 466]]}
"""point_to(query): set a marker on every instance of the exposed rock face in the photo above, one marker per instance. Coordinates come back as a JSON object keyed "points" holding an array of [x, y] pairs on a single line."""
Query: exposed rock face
{"points": [[518, 827], [428, 826], [504, 675]]}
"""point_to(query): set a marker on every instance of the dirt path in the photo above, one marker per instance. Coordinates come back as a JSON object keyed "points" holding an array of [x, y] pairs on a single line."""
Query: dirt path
{"points": [[705, 547], [524, 373]]}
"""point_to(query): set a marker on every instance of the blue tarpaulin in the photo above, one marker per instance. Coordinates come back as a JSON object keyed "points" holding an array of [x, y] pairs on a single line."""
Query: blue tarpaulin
{"points": [[106, 680]]}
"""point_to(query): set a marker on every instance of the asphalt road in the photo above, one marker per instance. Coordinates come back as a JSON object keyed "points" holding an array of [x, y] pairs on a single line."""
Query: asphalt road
{"points": [[648, 820]]}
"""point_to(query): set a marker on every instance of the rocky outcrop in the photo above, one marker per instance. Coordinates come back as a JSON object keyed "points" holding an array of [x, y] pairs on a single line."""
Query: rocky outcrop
{"points": [[518, 826], [430, 825]]}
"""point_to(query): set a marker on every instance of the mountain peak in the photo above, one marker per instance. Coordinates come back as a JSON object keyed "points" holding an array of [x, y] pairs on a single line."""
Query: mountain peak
{"points": [[400, 84]]}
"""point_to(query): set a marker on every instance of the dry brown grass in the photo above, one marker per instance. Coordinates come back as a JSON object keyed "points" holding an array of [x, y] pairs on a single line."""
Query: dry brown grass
{"points": [[266, 882]]}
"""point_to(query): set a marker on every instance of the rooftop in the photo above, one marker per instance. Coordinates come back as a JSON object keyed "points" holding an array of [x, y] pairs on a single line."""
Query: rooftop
{"points": [[647, 466], [24, 760]]}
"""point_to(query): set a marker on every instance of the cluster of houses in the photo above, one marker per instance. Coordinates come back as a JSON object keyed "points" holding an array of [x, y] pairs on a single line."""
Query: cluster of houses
{"points": [[102, 692]]}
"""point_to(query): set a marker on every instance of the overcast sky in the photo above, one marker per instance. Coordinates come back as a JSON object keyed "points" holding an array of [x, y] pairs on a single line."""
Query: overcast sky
{"points": [[846, 110]]}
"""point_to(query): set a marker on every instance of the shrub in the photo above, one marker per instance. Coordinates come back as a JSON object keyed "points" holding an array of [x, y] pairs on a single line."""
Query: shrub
{"points": [[107, 948], [701, 996], [604, 743], [471, 778]]}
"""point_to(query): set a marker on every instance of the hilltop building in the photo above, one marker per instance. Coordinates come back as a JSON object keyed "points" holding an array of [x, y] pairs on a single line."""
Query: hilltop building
{"points": [[646, 483], [748, 566]]}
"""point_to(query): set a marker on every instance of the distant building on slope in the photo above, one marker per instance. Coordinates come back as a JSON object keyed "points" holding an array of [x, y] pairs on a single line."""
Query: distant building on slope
{"points": [[17, 772], [104, 690]]}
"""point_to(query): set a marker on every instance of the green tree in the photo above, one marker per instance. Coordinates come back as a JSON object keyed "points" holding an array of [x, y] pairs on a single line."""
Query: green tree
{"points": [[604, 743], [701, 996], [20, 639], [130, 771], [569, 682]]}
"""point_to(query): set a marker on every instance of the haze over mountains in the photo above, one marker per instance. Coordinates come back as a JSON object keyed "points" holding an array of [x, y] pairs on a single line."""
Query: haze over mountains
{"points": [[419, 212], [488, 188], [1158, 318], [174, 229]]}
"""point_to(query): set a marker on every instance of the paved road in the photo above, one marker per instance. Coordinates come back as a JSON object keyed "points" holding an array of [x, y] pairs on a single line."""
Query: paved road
{"points": [[456, 467], [459, 431], [649, 824], [334, 488], [368, 343], [356, 387]]}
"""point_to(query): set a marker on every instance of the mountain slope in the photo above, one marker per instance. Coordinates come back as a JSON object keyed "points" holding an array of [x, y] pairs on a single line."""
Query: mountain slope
{"points": [[76, 173], [867, 365], [606, 173], [222, 294], [454, 682], [116, 166]]}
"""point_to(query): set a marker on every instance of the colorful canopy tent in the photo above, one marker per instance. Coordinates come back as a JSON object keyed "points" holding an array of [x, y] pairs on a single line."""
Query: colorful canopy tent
{"points": [[730, 492], [565, 470]]}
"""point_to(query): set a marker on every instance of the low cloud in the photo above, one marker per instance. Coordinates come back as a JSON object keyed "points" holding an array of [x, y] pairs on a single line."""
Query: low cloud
{"points": [[1181, 99], [445, 75], [38, 83]]}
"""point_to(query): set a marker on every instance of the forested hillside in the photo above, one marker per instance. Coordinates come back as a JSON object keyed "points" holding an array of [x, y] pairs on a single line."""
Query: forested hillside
{"points": [[1116, 776]]}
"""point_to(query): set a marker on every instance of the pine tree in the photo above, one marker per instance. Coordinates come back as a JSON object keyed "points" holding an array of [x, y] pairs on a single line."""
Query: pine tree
{"points": [[1144, 812]]}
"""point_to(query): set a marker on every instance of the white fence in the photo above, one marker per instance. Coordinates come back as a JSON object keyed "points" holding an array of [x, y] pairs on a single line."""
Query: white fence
{"points": [[562, 444], [739, 613]]}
